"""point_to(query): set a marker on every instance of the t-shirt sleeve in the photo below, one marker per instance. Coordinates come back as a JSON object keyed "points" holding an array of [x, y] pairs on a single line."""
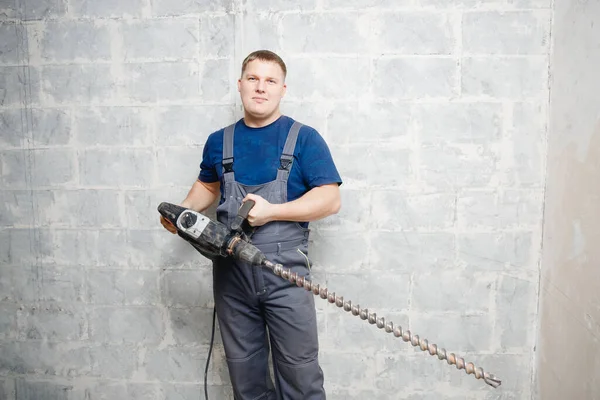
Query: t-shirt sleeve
{"points": [[208, 171], [316, 161]]}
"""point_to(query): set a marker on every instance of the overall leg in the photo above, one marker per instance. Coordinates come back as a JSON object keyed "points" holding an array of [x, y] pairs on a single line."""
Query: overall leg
{"points": [[243, 331], [291, 318]]}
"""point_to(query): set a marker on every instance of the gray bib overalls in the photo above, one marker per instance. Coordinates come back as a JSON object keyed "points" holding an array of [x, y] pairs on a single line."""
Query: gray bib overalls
{"points": [[251, 301]]}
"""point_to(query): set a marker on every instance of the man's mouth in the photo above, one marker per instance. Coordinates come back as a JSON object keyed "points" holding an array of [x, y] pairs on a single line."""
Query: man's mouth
{"points": [[259, 99]]}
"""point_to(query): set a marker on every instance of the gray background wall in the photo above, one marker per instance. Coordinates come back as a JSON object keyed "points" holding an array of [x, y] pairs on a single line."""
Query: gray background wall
{"points": [[569, 328], [435, 112]]}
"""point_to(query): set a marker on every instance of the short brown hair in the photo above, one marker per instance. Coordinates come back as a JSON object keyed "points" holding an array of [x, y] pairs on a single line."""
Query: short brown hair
{"points": [[264, 55]]}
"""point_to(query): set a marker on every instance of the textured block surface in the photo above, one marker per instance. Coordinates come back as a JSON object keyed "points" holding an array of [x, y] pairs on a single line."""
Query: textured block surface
{"points": [[435, 112]]}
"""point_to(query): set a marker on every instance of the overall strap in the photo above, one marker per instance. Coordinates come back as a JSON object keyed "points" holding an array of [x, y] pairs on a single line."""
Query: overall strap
{"points": [[287, 156], [228, 174]]}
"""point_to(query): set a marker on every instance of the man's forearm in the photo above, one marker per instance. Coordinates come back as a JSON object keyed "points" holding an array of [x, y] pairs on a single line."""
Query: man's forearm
{"points": [[316, 204], [201, 196]]}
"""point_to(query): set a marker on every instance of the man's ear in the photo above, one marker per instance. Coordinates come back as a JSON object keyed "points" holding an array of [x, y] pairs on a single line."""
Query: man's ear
{"points": [[283, 90], [239, 85]]}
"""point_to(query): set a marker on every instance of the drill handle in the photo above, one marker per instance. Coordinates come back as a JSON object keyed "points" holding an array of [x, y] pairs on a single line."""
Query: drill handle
{"points": [[242, 214]]}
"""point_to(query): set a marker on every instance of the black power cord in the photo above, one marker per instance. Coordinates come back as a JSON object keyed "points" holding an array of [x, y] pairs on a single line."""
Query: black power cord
{"points": [[212, 338]]}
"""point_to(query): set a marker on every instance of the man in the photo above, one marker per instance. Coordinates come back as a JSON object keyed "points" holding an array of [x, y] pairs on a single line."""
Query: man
{"points": [[287, 169]]}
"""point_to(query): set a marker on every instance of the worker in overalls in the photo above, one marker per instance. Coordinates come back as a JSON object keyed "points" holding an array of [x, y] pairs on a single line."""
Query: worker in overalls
{"points": [[288, 170]]}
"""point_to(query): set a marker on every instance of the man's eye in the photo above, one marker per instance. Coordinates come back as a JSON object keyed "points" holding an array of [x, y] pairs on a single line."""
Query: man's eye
{"points": [[271, 81], [251, 79]]}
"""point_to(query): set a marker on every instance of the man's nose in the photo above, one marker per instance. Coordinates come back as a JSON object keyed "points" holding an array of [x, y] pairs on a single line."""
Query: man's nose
{"points": [[260, 86]]}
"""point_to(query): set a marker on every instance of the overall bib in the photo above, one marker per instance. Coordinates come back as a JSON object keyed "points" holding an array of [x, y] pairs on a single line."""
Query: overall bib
{"points": [[252, 301]]}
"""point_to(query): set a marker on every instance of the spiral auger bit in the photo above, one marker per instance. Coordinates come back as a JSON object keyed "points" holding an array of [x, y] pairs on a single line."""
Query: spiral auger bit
{"points": [[213, 239], [389, 327]]}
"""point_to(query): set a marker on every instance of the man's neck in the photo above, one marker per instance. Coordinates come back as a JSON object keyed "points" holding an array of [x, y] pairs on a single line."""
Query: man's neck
{"points": [[254, 122]]}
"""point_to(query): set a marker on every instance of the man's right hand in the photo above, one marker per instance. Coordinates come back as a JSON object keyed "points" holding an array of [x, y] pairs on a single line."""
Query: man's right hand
{"points": [[168, 225]]}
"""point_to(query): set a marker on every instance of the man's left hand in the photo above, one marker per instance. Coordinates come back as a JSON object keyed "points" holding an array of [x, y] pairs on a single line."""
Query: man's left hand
{"points": [[261, 213]]}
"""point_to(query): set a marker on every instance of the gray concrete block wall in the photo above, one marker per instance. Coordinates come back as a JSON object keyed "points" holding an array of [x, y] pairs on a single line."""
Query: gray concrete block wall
{"points": [[435, 112]]}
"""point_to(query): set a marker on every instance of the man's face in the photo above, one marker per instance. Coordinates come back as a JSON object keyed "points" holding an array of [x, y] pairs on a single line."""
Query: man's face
{"points": [[261, 88]]}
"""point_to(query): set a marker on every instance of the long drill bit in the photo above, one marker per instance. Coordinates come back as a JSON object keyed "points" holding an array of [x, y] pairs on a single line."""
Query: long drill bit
{"points": [[364, 314]]}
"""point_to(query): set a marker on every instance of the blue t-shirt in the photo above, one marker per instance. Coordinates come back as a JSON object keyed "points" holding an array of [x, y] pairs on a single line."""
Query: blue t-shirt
{"points": [[256, 153]]}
